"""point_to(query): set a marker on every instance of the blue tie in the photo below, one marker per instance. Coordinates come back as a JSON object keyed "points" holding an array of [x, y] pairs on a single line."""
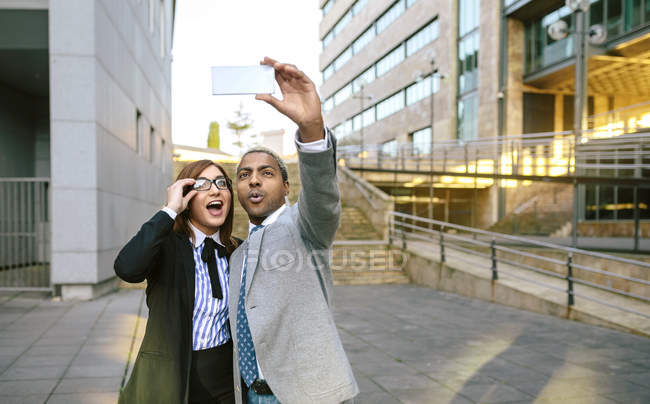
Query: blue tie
{"points": [[247, 358]]}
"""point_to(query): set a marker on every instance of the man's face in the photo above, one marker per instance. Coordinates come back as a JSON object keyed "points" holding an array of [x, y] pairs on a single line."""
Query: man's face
{"points": [[260, 188]]}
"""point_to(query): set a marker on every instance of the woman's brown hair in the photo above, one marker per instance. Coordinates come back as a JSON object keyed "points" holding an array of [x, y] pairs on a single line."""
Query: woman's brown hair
{"points": [[181, 224]]}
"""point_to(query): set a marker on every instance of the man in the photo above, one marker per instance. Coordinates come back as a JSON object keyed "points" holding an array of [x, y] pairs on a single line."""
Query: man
{"points": [[286, 346]]}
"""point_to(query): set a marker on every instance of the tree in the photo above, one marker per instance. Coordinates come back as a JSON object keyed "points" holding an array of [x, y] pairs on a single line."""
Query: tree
{"points": [[240, 125], [213, 136]]}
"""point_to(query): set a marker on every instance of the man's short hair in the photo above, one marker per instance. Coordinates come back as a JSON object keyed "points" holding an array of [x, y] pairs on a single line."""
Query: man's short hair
{"points": [[278, 159]]}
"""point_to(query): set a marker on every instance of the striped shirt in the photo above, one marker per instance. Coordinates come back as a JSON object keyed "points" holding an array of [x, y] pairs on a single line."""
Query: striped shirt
{"points": [[210, 316]]}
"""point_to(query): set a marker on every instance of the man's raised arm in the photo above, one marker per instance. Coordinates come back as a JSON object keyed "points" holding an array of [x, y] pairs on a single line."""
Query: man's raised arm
{"points": [[319, 201]]}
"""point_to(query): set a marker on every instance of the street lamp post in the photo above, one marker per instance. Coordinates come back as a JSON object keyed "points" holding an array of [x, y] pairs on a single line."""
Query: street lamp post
{"points": [[434, 74], [361, 97], [434, 70], [583, 35], [579, 111]]}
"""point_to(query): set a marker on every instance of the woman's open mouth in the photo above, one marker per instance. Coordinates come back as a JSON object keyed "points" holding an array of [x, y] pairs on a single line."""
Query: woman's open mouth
{"points": [[215, 208]]}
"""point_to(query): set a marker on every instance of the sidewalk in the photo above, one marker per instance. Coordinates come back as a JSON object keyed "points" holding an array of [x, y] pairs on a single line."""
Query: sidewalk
{"points": [[545, 288], [406, 343], [66, 352]]}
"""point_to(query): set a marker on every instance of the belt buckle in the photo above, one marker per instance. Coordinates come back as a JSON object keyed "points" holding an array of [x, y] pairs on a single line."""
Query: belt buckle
{"points": [[261, 387]]}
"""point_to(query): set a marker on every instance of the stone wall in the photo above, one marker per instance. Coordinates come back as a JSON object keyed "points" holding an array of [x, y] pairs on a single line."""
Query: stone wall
{"points": [[619, 228], [373, 202]]}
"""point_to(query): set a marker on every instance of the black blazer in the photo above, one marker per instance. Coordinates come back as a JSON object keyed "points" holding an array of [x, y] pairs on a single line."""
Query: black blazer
{"points": [[164, 258]]}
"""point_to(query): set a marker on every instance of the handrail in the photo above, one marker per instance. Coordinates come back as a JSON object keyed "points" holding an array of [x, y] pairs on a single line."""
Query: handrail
{"points": [[550, 155], [621, 109], [365, 194], [525, 205], [522, 239], [369, 188], [403, 226]]}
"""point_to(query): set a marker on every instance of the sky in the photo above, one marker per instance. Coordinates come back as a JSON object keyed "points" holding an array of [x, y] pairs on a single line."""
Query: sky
{"points": [[236, 33]]}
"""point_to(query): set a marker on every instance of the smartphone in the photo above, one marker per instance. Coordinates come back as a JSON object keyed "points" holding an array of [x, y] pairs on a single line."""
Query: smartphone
{"points": [[237, 80]]}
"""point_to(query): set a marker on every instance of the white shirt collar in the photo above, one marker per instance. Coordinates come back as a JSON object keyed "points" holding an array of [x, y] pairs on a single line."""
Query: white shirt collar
{"points": [[199, 236], [270, 218]]}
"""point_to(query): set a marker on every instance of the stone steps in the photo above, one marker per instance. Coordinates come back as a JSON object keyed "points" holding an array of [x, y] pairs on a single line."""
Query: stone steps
{"points": [[367, 263], [370, 277]]}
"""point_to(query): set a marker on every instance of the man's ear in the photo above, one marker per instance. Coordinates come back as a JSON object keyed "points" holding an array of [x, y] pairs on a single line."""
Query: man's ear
{"points": [[286, 188]]}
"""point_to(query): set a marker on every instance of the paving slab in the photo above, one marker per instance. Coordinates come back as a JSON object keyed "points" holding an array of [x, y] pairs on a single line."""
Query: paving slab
{"points": [[406, 344]]}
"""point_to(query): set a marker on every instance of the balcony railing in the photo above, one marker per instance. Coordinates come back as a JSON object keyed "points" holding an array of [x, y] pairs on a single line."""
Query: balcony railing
{"points": [[602, 154]]}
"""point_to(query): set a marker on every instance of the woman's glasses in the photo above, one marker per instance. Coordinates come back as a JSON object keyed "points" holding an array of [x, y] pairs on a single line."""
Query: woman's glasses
{"points": [[203, 184]]}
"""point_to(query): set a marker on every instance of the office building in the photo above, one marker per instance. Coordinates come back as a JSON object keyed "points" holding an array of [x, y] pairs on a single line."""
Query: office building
{"points": [[401, 76], [85, 119]]}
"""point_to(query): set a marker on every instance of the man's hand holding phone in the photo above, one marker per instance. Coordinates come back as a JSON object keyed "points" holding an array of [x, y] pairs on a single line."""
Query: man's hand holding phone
{"points": [[179, 194], [300, 101]]}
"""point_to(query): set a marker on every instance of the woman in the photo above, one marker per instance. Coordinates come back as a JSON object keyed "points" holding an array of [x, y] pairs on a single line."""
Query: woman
{"points": [[182, 252]]}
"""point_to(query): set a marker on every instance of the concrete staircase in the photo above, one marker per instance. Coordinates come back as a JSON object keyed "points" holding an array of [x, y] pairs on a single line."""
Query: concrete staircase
{"points": [[367, 263], [532, 223], [355, 225]]}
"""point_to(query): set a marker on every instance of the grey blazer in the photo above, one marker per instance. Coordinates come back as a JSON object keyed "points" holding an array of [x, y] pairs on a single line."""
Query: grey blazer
{"points": [[288, 289]]}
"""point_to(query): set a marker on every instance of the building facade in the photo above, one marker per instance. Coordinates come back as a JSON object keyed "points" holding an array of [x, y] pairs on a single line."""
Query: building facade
{"points": [[86, 113], [413, 74]]}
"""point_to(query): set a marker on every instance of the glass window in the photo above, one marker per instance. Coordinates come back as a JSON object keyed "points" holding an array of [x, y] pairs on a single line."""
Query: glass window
{"points": [[389, 148], [343, 129], [327, 7], [327, 73], [596, 15], [468, 16], [634, 12], [328, 105], [342, 59], [366, 77], [343, 22], [391, 15], [614, 17], [416, 92], [391, 60], [468, 62], [363, 40], [328, 38], [356, 122], [625, 203], [467, 117], [369, 116], [540, 49], [390, 105], [643, 196], [591, 203], [343, 94], [358, 6], [422, 38], [606, 202], [422, 141]]}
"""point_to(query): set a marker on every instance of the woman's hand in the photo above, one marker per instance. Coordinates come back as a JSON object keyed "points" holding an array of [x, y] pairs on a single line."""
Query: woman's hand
{"points": [[175, 199]]}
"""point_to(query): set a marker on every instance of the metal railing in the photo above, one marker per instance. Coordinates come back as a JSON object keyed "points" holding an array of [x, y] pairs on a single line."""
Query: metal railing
{"points": [[574, 266], [554, 155], [369, 192], [24, 234]]}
